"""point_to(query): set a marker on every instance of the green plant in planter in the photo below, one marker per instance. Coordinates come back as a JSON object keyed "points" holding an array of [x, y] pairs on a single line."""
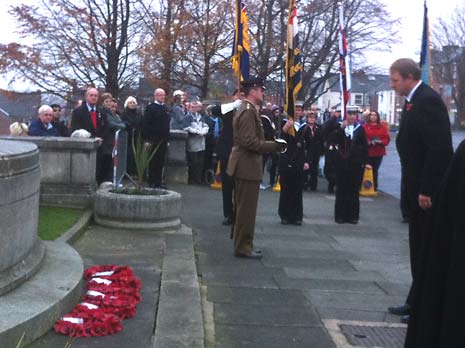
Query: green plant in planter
{"points": [[143, 154]]}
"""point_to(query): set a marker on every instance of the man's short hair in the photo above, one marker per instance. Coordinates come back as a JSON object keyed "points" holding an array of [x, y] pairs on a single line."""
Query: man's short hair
{"points": [[56, 106], [406, 67]]}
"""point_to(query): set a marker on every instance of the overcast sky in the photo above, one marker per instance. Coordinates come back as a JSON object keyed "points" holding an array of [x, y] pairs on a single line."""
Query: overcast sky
{"points": [[409, 11]]}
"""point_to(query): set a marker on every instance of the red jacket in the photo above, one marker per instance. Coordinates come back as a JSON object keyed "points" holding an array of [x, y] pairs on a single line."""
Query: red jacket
{"points": [[378, 138]]}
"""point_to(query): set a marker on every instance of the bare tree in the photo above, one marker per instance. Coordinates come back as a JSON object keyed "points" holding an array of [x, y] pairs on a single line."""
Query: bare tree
{"points": [[448, 38], [75, 43], [207, 44], [368, 24]]}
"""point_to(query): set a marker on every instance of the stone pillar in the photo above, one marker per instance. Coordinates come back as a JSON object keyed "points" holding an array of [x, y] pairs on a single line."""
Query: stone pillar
{"points": [[176, 164], [21, 251]]}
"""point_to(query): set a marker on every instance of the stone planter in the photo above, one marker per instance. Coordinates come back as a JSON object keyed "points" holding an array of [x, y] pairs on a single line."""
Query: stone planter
{"points": [[154, 212]]}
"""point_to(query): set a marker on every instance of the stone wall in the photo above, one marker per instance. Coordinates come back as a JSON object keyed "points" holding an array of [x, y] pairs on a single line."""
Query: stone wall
{"points": [[67, 169], [21, 252], [176, 166]]}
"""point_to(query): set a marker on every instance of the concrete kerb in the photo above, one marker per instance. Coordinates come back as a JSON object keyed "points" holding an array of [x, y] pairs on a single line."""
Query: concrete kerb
{"points": [[77, 230], [179, 320]]}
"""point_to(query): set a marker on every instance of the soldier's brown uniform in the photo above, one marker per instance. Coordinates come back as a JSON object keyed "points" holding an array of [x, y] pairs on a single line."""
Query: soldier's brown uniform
{"points": [[245, 166]]}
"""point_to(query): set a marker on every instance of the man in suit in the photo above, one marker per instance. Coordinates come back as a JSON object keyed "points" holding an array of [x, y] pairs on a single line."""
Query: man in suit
{"points": [[424, 144], [156, 131], [245, 166], [90, 116]]}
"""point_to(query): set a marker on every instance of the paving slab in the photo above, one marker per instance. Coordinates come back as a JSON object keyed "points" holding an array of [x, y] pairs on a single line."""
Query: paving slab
{"points": [[244, 336], [269, 315], [271, 297]]}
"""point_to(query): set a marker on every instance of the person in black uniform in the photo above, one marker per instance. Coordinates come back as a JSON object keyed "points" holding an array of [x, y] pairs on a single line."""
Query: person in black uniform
{"points": [[224, 147], [292, 164], [330, 136], [314, 150], [351, 158], [269, 130]]}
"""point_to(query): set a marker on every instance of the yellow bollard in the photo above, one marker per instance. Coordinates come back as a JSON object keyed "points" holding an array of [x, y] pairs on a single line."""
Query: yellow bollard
{"points": [[277, 186], [368, 187], [217, 182]]}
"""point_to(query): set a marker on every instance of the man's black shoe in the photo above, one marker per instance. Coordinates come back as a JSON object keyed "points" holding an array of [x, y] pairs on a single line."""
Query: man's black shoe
{"points": [[340, 221], [353, 222], [284, 222], [298, 223], [400, 310], [252, 255], [227, 221], [404, 319]]}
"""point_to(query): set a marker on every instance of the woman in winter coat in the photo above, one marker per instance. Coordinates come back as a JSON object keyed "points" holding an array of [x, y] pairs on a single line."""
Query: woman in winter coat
{"points": [[378, 138]]}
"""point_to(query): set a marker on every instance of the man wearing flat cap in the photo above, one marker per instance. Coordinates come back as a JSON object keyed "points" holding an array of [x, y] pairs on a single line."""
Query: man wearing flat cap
{"points": [[245, 166]]}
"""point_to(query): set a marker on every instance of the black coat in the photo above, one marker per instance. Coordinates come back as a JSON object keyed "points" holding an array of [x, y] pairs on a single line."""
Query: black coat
{"points": [[80, 119], [225, 140], [440, 318], [156, 123], [424, 143]]}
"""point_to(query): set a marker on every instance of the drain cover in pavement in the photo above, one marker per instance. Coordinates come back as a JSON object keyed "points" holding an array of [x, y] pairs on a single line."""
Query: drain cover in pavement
{"points": [[374, 336]]}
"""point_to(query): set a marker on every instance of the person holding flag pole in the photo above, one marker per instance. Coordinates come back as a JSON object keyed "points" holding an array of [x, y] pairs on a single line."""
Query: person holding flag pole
{"points": [[350, 142], [294, 161]]}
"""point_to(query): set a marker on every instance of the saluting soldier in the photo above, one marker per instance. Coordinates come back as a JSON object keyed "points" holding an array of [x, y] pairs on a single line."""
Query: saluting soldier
{"points": [[245, 166]]}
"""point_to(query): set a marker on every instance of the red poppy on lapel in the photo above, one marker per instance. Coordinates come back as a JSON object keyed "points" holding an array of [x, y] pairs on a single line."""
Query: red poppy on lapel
{"points": [[408, 106]]}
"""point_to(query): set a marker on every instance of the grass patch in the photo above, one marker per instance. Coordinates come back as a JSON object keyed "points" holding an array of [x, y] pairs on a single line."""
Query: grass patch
{"points": [[54, 221]]}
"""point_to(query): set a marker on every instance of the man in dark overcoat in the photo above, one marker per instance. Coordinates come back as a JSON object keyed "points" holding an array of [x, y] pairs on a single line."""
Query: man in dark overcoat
{"points": [[246, 168], [92, 118], [156, 132], [424, 144]]}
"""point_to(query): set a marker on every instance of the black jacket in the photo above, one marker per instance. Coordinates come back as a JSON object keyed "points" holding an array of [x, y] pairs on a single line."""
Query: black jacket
{"points": [[156, 123], [424, 143], [80, 119]]}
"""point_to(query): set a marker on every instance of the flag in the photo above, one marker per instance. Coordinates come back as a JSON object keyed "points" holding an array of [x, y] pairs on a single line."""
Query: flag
{"points": [[241, 48], [344, 69], [293, 62], [425, 55]]}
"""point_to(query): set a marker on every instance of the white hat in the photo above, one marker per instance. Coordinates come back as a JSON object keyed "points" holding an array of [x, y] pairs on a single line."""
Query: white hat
{"points": [[352, 109], [177, 92]]}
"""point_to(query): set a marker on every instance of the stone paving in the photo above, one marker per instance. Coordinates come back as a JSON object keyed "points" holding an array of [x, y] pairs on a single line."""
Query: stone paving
{"points": [[310, 274]]}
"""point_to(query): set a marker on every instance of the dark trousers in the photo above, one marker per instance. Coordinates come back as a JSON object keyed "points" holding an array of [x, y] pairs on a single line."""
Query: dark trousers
{"points": [[348, 182], [104, 167], [420, 229], [312, 173], [195, 162], [290, 198], [156, 164], [375, 162], [272, 165], [208, 161], [330, 167], [245, 203], [226, 188]]}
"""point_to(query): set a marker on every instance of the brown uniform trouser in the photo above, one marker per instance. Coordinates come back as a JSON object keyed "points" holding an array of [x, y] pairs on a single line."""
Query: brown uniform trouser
{"points": [[245, 206]]}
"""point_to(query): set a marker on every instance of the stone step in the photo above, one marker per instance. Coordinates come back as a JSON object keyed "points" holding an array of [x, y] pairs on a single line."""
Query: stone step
{"points": [[33, 307]]}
